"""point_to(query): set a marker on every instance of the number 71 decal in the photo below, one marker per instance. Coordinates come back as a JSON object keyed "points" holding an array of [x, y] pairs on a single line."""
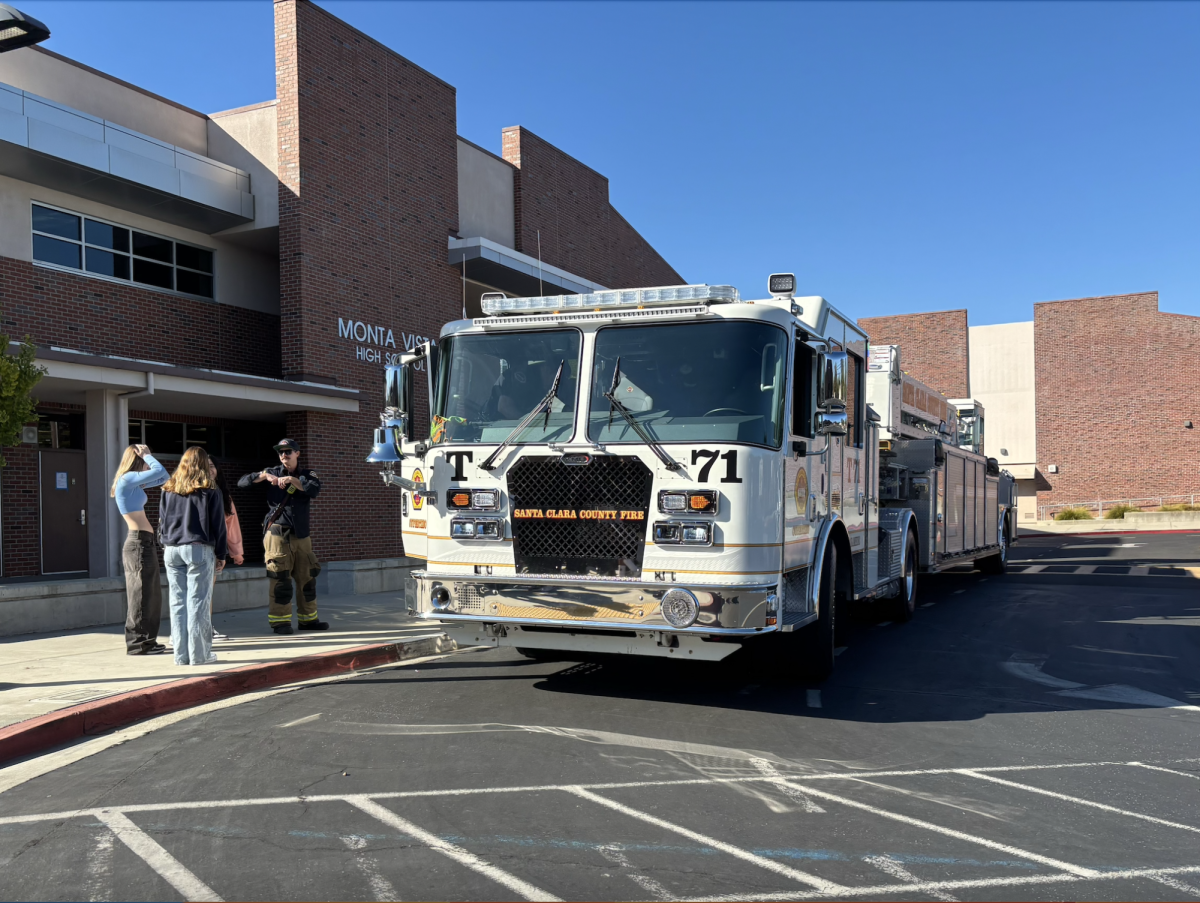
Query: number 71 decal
{"points": [[730, 458]]}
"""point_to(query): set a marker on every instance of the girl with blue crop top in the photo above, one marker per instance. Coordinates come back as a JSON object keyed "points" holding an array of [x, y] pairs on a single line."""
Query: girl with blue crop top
{"points": [[138, 472]]}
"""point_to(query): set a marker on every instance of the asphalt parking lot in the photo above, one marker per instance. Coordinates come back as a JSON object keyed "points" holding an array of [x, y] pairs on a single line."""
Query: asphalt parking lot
{"points": [[1032, 736]]}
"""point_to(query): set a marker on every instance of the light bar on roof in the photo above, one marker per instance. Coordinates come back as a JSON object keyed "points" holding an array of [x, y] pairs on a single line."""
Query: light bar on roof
{"points": [[622, 297]]}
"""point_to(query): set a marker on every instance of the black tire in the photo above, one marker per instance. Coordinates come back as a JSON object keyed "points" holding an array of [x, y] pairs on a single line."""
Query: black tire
{"points": [[904, 605], [819, 637], [998, 563]]}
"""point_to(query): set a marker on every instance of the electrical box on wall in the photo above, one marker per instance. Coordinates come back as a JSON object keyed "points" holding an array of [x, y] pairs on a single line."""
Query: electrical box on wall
{"points": [[1053, 468]]}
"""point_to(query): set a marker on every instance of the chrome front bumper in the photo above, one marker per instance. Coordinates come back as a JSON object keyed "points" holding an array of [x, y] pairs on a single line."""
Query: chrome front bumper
{"points": [[738, 610]]}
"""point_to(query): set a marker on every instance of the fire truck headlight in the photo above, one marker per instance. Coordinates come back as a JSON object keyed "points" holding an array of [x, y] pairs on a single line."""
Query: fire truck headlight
{"points": [[688, 501], [692, 533], [485, 499], [474, 499], [489, 528], [679, 607]]}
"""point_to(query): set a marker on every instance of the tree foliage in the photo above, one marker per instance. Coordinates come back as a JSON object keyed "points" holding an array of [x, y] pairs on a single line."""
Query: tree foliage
{"points": [[18, 375]]}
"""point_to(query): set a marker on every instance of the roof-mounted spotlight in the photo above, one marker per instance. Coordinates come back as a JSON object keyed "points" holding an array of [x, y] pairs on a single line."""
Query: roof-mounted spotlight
{"points": [[19, 30], [782, 285]]}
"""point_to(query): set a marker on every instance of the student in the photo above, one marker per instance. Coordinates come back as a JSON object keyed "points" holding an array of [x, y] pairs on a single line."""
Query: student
{"points": [[138, 472], [191, 524], [233, 532]]}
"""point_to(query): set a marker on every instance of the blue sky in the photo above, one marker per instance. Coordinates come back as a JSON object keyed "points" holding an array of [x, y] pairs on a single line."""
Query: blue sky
{"points": [[898, 157]]}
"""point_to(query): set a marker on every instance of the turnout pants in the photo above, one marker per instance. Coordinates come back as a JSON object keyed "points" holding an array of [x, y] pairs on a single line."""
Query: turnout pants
{"points": [[139, 556], [290, 561]]}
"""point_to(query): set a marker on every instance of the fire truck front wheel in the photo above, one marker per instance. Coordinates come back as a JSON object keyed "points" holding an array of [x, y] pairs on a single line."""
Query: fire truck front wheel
{"points": [[818, 638], [904, 604]]}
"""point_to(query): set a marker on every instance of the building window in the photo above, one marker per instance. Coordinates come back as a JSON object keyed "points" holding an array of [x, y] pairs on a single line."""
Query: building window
{"points": [[65, 239], [61, 431]]}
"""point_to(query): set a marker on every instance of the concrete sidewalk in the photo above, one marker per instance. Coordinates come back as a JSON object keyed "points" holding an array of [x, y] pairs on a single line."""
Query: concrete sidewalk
{"points": [[43, 673]]}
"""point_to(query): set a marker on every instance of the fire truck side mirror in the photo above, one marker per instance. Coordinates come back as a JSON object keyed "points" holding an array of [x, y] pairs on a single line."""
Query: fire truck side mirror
{"points": [[832, 374], [398, 394], [831, 423]]}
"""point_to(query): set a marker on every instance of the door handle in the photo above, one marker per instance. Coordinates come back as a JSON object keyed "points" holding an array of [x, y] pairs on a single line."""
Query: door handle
{"points": [[83, 516]]}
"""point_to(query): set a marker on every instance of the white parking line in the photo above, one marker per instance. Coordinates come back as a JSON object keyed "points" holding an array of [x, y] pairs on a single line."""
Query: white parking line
{"points": [[958, 835], [168, 867], [927, 887], [449, 850], [615, 854], [893, 867], [535, 788], [778, 868], [1185, 774], [1079, 801]]}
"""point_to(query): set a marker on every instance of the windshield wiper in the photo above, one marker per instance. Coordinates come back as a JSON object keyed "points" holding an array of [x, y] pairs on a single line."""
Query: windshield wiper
{"points": [[653, 443], [520, 427]]}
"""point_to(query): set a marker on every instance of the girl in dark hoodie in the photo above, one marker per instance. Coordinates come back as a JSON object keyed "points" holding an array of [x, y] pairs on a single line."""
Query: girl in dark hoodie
{"points": [[191, 526]]}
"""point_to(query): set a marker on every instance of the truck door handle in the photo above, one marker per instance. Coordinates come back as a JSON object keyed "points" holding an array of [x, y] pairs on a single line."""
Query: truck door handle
{"points": [[83, 516]]}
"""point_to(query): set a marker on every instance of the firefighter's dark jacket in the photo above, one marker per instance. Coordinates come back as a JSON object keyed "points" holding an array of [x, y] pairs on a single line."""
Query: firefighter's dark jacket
{"points": [[295, 515]]}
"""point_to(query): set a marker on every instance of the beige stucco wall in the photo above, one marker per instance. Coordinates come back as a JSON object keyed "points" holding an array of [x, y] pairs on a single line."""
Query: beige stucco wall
{"points": [[64, 82], [245, 277], [249, 139], [485, 196], [1002, 379]]}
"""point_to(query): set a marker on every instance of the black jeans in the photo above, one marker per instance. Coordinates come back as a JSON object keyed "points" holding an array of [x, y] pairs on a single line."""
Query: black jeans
{"points": [[139, 556]]}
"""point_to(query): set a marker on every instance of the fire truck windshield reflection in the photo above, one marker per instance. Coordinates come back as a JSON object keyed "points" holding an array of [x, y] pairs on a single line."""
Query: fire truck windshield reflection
{"points": [[487, 383], [720, 381]]}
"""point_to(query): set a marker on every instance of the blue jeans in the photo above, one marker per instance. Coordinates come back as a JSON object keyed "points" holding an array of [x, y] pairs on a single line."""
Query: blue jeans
{"points": [[190, 571]]}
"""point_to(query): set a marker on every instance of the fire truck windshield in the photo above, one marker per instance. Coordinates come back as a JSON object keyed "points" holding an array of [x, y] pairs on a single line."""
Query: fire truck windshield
{"points": [[721, 381], [486, 384]]}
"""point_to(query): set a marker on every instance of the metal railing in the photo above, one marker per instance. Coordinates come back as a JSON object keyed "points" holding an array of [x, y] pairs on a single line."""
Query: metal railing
{"points": [[1098, 507]]}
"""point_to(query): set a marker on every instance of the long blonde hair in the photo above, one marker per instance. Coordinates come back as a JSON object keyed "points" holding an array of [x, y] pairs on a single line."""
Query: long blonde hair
{"points": [[131, 462], [191, 474]]}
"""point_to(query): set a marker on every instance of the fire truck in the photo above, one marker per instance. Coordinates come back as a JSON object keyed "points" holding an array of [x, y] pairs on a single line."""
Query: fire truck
{"points": [[678, 472]]}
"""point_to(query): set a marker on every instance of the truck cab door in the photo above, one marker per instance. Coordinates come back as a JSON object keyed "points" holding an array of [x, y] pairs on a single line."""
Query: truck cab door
{"points": [[801, 465], [854, 463]]}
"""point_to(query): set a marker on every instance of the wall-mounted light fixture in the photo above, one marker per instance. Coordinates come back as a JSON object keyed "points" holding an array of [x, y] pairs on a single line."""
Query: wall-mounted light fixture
{"points": [[19, 30]]}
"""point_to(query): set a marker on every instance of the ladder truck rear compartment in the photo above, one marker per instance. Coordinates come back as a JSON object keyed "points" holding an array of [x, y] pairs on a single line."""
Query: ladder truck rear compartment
{"points": [[678, 472]]}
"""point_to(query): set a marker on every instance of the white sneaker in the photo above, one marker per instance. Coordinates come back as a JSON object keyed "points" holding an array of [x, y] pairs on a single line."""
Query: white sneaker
{"points": [[217, 635], [212, 660]]}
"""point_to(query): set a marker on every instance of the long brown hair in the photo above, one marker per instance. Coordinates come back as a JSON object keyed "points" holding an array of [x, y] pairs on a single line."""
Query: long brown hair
{"points": [[131, 462], [191, 474]]}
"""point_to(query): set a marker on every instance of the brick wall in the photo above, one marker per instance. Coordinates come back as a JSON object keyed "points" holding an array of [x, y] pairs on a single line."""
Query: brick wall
{"points": [[368, 156], [933, 347], [19, 499], [580, 230], [1116, 379], [57, 308]]}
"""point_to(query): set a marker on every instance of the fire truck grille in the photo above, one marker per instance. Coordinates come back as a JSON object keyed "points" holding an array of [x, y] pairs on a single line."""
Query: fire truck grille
{"points": [[576, 543]]}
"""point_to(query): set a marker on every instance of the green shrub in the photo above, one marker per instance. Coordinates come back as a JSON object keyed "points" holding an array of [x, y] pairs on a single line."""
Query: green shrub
{"points": [[1073, 514], [1180, 507], [1118, 511]]}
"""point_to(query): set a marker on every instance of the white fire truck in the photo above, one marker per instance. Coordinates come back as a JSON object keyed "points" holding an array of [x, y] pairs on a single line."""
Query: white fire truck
{"points": [[677, 472]]}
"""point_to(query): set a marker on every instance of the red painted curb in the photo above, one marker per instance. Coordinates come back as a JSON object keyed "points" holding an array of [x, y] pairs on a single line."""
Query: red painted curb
{"points": [[26, 738]]}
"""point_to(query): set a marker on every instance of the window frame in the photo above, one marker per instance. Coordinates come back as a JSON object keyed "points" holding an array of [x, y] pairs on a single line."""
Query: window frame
{"points": [[857, 411], [83, 244]]}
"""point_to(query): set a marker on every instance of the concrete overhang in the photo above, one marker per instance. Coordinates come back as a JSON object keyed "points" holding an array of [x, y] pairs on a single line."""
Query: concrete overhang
{"points": [[182, 390], [48, 144], [512, 272], [1021, 471]]}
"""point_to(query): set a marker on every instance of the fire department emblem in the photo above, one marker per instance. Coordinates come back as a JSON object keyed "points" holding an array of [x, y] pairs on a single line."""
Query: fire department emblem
{"points": [[801, 491], [418, 500]]}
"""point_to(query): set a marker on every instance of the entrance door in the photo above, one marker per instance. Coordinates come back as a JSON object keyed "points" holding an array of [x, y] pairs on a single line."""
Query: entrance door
{"points": [[64, 511]]}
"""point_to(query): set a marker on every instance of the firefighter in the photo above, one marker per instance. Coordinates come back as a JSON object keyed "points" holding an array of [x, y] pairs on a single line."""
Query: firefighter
{"points": [[286, 542]]}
